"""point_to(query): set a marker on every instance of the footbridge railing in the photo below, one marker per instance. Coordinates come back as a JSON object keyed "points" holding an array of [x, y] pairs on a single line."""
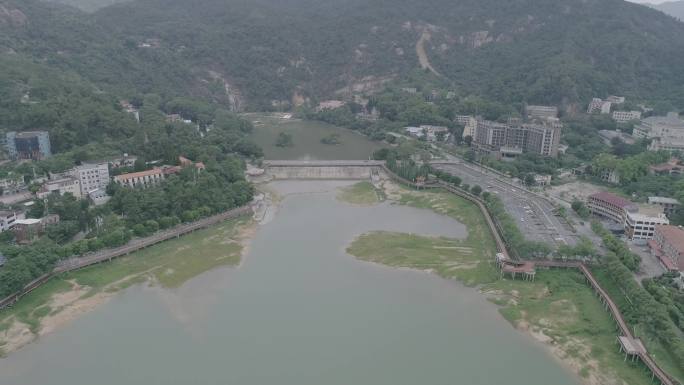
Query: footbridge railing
{"points": [[611, 306], [134, 245]]}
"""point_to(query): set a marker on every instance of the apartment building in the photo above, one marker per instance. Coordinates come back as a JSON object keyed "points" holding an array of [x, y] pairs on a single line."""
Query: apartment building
{"points": [[638, 221], [28, 145], [669, 205], [626, 116], [514, 137], [668, 246], [541, 112], [665, 132], [611, 206], [61, 186], [7, 220], [92, 177], [641, 225], [469, 125], [598, 105]]}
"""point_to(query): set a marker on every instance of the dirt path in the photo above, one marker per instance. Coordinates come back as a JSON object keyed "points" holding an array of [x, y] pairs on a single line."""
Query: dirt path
{"points": [[422, 55]]}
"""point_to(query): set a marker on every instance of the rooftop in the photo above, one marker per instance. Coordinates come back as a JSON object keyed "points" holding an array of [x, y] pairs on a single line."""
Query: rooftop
{"points": [[663, 200], [139, 174], [29, 221], [29, 134], [650, 210], [673, 235], [612, 199]]}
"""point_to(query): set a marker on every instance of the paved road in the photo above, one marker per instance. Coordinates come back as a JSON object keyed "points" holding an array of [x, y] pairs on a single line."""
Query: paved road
{"points": [[534, 215]]}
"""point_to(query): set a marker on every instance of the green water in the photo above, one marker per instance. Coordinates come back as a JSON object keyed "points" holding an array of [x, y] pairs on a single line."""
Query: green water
{"points": [[306, 140], [299, 311]]}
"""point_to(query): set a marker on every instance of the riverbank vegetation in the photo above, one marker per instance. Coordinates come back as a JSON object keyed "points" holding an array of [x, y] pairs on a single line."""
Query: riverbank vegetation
{"points": [[558, 308], [169, 264], [362, 193]]}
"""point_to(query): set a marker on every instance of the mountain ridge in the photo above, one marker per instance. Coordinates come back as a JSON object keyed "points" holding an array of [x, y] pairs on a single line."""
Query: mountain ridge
{"points": [[263, 51], [672, 8]]}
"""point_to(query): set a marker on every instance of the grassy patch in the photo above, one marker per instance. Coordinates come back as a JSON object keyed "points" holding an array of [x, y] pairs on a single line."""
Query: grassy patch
{"points": [[562, 307], [170, 263], [558, 307], [450, 258], [442, 202], [362, 193]]}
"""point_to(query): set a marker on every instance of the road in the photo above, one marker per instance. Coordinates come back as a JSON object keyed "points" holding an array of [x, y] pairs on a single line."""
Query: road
{"points": [[535, 215]]}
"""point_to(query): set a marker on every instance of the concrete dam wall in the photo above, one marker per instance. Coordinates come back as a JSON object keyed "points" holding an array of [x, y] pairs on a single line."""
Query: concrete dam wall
{"points": [[322, 172]]}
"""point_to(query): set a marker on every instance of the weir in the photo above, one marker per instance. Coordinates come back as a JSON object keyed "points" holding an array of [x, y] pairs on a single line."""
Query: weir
{"points": [[334, 169]]}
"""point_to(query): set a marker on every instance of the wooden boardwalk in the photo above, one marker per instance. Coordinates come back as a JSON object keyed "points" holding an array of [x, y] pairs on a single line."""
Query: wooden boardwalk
{"points": [[656, 371], [134, 245]]}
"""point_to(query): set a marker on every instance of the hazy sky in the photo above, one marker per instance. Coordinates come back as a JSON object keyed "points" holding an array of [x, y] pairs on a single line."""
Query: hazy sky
{"points": [[648, 1]]}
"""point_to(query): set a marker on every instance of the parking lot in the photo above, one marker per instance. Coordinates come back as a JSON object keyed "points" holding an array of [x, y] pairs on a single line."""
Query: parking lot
{"points": [[536, 217]]}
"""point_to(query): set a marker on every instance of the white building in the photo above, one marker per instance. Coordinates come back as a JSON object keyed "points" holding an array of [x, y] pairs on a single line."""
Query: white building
{"points": [[541, 112], [599, 105], [7, 220], [98, 196], [416, 132], [626, 116], [61, 186], [669, 205], [615, 99], [92, 177], [469, 125], [665, 132], [642, 224]]}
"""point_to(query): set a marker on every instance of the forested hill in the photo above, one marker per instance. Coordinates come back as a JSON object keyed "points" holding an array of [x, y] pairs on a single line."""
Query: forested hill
{"points": [[251, 52]]}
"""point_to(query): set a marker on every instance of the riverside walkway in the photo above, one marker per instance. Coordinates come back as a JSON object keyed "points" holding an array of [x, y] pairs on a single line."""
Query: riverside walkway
{"points": [[134, 245], [629, 343]]}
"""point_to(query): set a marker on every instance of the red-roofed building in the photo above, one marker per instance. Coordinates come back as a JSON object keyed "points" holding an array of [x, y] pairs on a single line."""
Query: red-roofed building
{"points": [[142, 178], [610, 206], [668, 245]]}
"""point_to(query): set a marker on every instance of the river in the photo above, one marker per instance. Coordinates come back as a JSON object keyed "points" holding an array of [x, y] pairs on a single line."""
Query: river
{"points": [[306, 140], [298, 311]]}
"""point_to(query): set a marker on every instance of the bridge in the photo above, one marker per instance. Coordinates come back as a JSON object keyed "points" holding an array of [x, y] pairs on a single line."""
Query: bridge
{"points": [[321, 169]]}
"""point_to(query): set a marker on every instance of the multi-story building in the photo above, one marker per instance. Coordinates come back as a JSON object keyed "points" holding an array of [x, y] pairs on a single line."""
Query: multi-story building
{"points": [[615, 99], [638, 221], [668, 245], [26, 230], [12, 185], [611, 206], [92, 177], [626, 116], [641, 225], [28, 145], [61, 186], [7, 219], [672, 167], [665, 132], [141, 179], [515, 137], [469, 125], [669, 205], [599, 105], [543, 139], [125, 161], [541, 112]]}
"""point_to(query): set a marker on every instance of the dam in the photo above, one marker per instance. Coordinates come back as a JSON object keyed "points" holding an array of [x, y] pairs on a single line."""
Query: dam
{"points": [[320, 169]]}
